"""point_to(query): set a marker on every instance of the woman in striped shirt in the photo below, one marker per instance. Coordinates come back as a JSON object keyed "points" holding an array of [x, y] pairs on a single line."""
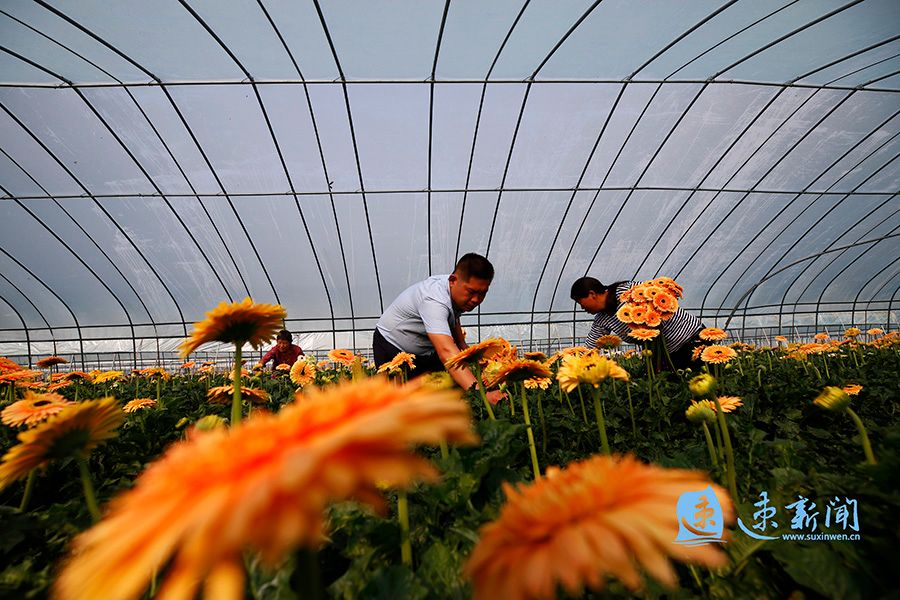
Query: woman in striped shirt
{"points": [[681, 332]]}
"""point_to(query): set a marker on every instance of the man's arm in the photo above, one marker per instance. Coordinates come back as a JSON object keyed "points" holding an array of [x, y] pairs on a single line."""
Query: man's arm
{"points": [[458, 337], [446, 349]]}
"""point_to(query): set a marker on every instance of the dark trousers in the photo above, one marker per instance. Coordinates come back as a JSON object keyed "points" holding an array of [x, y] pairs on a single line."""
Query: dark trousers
{"points": [[383, 351], [681, 358]]}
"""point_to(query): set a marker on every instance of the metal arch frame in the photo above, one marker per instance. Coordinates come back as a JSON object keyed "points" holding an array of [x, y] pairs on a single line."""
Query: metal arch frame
{"points": [[890, 306], [161, 140], [847, 57], [157, 81], [24, 327], [878, 291], [844, 269], [868, 66], [55, 295], [75, 254], [36, 309], [876, 80], [767, 172], [294, 193], [462, 212], [437, 50], [807, 232], [362, 189], [796, 197], [875, 293], [96, 203]]}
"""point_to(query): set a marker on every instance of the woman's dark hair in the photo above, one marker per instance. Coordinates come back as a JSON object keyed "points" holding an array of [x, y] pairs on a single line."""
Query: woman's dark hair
{"points": [[584, 286], [284, 334], [474, 265]]}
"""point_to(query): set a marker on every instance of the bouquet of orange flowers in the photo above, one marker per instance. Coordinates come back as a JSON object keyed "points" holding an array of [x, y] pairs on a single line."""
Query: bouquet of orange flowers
{"points": [[646, 305]]}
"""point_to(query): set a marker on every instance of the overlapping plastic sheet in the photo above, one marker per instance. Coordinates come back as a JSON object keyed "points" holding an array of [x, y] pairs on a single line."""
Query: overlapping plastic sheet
{"points": [[157, 158]]}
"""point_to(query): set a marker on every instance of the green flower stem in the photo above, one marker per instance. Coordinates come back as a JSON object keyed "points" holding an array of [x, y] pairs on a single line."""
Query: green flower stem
{"points": [[601, 422], [540, 406], [583, 410], [445, 453], [729, 452], [569, 402], [403, 517], [867, 446], [719, 443], [307, 577], [89, 496], [534, 460], [512, 406], [631, 410], [158, 391], [476, 369], [710, 446], [236, 398], [29, 486], [825, 364]]}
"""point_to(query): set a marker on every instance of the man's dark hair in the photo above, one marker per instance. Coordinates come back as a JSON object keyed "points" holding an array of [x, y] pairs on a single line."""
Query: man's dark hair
{"points": [[284, 334], [584, 286], [474, 265]]}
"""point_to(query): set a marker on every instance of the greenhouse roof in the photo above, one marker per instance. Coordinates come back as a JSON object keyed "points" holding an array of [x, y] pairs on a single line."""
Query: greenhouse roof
{"points": [[158, 158]]}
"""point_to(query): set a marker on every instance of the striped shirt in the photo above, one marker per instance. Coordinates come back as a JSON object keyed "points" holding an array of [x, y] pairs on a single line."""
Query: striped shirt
{"points": [[677, 331]]}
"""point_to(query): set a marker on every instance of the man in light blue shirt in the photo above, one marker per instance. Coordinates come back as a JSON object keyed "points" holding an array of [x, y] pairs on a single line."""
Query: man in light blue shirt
{"points": [[424, 319]]}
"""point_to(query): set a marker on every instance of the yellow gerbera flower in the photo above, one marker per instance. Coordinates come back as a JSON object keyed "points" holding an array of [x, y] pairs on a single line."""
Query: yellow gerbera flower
{"points": [[303, 372], [236, 323], [587, 368], [604, 516], [108, 376], [33, 408], [609, 341], [833, 398], [201, 512], [76, 430]]}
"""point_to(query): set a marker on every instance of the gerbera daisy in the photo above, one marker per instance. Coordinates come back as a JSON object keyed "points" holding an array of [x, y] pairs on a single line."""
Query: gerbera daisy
{"points": [[639, 315], [396, 364], [729, 403], [33, 408], [19, 375], [303, 373], [58, 385], [538, 356], [283, 367], [342, 356], [236, 323], [833, 398], [323, 364], [51, 361], [588, 368], [624, 313], [852, 332], [155, 372], [703, 411], [821, 336], [875, 331], [651, 291], [604, 516], [537, 383], [653, 318], [697, 351], [610, 341], [108, 376], [225, 393], [139, 403], [576, 350], [717, 354], [187, 365], [75, 430], [9, 365], [781, 338], [637, 294], [518, 370], [201, 512], [474, 354], [643, 333], [852, 389], [713, 334]]}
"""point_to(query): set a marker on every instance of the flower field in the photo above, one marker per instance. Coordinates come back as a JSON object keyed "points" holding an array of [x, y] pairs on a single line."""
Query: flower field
{"points": [[346, 483]]}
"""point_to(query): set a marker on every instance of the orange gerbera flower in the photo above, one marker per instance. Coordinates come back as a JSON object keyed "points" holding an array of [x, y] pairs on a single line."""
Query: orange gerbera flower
{"points": [[75, 430], [653, 318], [717, 354], [187, 365], [155, 372], [236, 323], [781, 338], [538, 356], [852, 389], [875, 331], [14, 376], [729, 403], [396, 364], [201, 512], [225, 393], [576, 350], [342, 356], [610, 341], [821, 336], [537, 383], [139, 403], [624, 313], [51, 361], [474, 354], [9, 365], [669, 284], [281, 367], [587, 368], [58, 385], [638, 295], [599, 517], [33, 408], [852, 332], [518, 370], [303, 373], [713, 334], [697, 351], [643, 333]]}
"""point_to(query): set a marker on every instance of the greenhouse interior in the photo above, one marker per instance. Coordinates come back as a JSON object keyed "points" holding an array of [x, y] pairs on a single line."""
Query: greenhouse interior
{"points": [[450, 299]]}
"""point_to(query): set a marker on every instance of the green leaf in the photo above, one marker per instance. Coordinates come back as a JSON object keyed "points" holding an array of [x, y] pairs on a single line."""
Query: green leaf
{"points": [[393, 583]]}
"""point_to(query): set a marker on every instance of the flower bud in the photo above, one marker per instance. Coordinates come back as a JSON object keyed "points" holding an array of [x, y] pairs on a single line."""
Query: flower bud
{"points": [[702, 385], [833, 398], [700, 412]]}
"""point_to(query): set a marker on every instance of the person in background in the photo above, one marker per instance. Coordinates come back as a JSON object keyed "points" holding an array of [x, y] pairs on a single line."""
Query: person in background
{"points": [[424, 320], [285, 352], [681, 332]]}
